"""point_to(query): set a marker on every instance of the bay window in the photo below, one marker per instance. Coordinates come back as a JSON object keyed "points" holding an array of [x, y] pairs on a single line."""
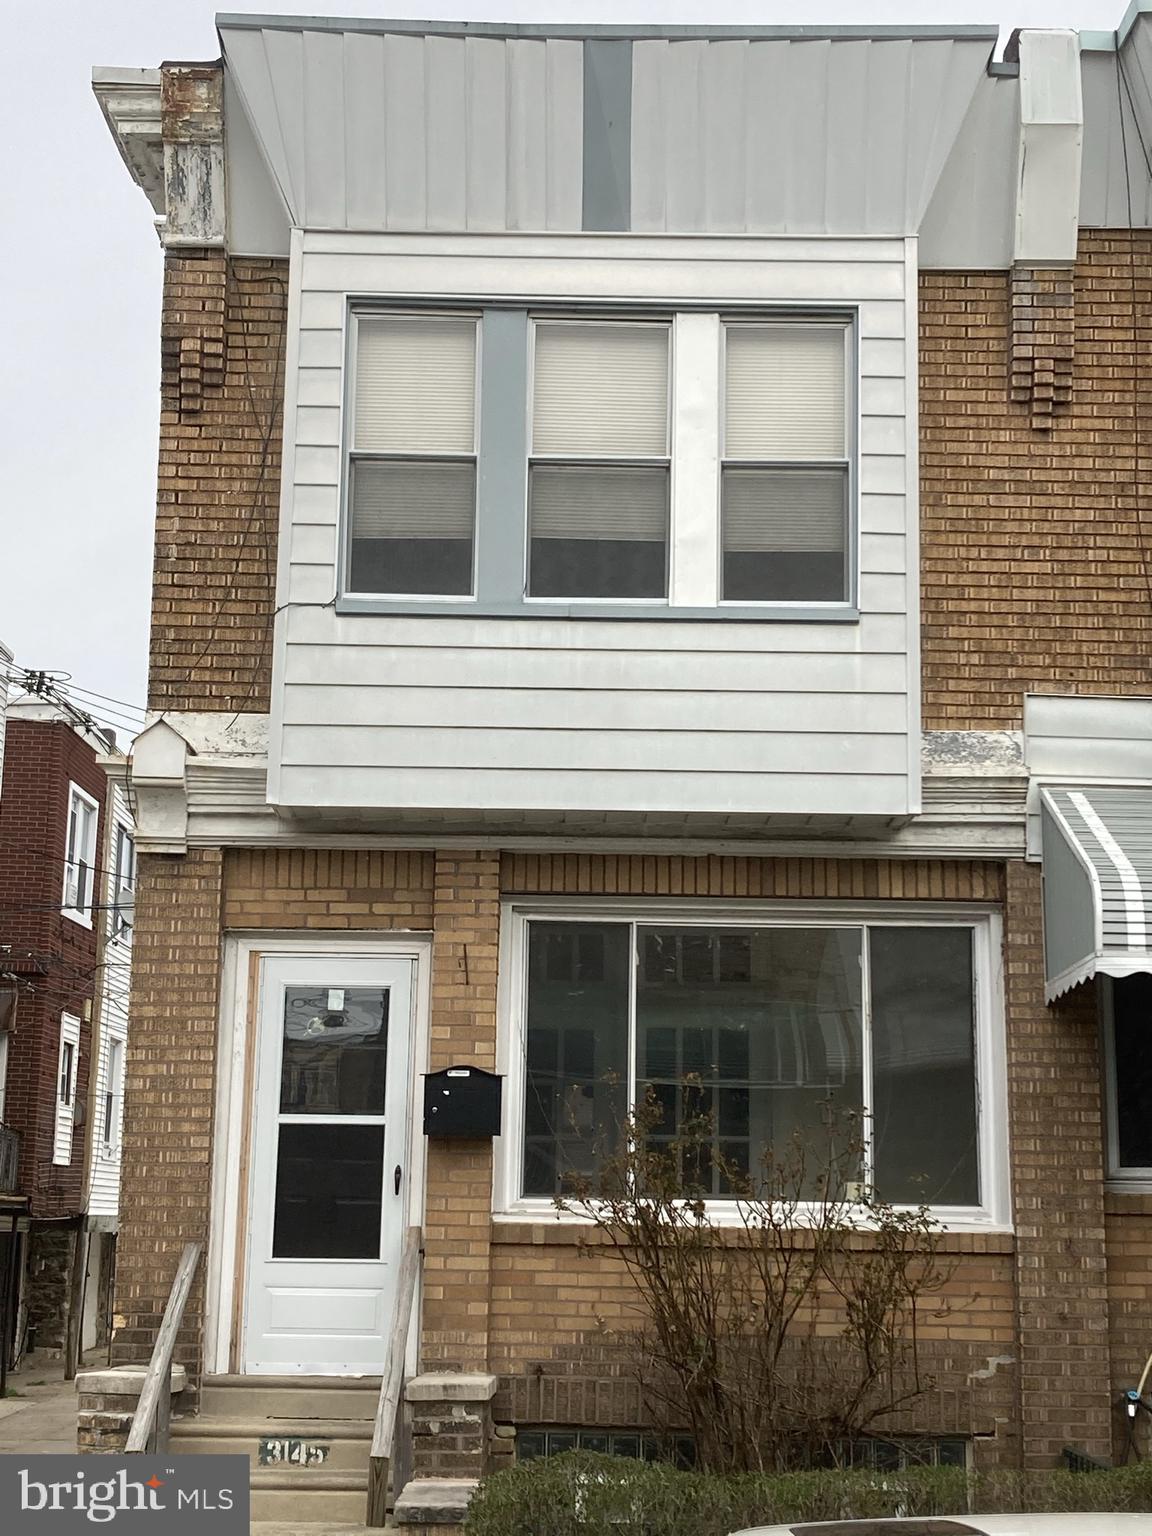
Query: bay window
{"points": [[620, 463], [758, 1029]]}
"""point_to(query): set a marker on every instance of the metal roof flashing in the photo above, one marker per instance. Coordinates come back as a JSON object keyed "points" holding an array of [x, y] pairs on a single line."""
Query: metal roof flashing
{"points": [[230, 21]]}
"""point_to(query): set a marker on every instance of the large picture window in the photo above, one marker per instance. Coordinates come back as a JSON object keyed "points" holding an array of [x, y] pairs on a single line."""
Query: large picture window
{"points": [[760, 1029]]}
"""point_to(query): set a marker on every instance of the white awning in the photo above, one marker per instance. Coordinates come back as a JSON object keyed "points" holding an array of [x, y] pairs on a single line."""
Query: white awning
{"points": [[1097, 852]]}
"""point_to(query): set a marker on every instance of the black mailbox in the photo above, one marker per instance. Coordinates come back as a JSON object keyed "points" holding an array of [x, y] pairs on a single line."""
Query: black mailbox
{"points": [[462, 1102]]}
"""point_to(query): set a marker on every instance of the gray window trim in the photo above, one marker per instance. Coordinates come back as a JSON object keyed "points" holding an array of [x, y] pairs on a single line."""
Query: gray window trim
{"points": [[500, 554]]}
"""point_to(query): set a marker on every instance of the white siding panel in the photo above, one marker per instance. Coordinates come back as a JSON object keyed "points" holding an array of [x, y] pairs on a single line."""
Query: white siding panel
{"points": [[315, 504], [322, 348], [753, 792], [487, 129], [366, 178], [573, 709], [403, 130], [319, 386], [445, 666], [550, 711], [604, 751], [446, 128], [527, 135], [317, 465], [325, 157], [564, 80]]}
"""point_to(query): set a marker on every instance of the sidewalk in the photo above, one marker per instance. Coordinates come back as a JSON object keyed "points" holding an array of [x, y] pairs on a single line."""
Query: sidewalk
{"points": [[39, 1413]]}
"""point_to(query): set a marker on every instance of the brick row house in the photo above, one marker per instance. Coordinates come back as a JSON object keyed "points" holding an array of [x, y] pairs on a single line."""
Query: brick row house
{"points": [[652, 581], [66, 892]]}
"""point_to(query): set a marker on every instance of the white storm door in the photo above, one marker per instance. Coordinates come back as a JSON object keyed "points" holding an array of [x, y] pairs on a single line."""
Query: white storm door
{"points": [[329, 1173]]}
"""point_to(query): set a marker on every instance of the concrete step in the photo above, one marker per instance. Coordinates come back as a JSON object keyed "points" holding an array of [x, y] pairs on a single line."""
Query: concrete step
{"points": [[306, 1494], [346, 1442], [252, 1398]]}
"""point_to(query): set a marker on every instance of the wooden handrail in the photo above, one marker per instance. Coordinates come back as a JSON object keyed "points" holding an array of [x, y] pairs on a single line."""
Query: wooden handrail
{"points": [[149, 1430], [392, 1384]]}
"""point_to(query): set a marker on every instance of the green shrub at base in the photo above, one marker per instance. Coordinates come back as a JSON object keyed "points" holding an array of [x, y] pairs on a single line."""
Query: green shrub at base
{"points": [[586, 1495]]}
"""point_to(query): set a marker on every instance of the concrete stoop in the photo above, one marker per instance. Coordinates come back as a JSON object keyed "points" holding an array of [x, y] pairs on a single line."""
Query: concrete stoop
{"points": [[426, 1505], [321, 1429]]}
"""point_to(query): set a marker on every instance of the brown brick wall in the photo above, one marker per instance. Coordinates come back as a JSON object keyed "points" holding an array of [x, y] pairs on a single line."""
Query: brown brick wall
{"points": [[327, 889], [595, 874], [169, 1097], [1128, 1222], [218, 492], [1036, 567], [458, 1204], [1056, 1124]]}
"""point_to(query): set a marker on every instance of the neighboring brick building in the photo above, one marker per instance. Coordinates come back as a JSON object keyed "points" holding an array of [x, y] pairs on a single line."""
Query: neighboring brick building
{"points": [[64, 944], [631, 607]]}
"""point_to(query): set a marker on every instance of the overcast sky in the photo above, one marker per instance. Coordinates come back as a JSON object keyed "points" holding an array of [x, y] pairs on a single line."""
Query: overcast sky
{"points": [[80, 292]]}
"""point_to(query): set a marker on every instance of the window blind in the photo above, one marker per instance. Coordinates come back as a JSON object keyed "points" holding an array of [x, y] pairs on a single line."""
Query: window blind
{"points": [[784, 391], [415, 384], [593, 502], [394, 499], [600, 390], [782, 509]]}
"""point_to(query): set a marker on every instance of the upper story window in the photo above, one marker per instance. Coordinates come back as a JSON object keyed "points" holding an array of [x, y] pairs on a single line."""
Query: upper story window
{"points": [[123, 882], [80, 856], [67, 1067], [413, 463], [509, 461], [784, 478], [599, 475]]}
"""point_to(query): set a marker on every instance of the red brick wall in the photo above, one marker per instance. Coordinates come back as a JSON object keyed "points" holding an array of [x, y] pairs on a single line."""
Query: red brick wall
{"points": [[54, 956]]}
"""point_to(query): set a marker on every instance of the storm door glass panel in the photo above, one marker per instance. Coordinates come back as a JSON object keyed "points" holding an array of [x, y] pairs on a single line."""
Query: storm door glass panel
{"points": [[924, 1066], [330, 1149], [576, 1090], [749, 1050]]}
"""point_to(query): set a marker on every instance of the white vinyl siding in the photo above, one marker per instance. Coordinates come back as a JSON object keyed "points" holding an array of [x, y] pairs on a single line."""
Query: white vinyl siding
{"points": [[80, 856], [114, 981], [67, 1075], [648, 716], [412, 473]]}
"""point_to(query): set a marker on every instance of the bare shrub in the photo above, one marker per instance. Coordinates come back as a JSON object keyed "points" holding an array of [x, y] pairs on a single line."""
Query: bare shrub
{"points": [[780, 1340]]}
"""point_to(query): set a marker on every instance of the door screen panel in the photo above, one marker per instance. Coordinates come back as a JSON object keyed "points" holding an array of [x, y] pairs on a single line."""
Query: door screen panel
{"points": [[329, 1183]]}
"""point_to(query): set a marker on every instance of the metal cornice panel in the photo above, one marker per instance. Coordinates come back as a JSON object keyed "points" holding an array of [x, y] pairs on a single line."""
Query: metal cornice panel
{"points": [[835, 135], [1097, 853], [393, 129], [1116, 185]]}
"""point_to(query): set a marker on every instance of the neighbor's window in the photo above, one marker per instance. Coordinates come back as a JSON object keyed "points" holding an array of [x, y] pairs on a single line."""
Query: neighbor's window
{"points": [[80, 856], [113, 1090], [67, 1065], [1130, 1077], [599, 473], [760, 1029], [3, 1070], [123, 881], [413, 461], [784, 478]]}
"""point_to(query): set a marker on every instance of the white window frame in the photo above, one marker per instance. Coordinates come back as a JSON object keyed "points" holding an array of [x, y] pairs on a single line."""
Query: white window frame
{"points": [[112, 1098], [696, 433], [994, 1211], [122, 838], [663, 321], [80, 911], [848, 462], [62, 1134], [3, 1070], [1124, 1179], [351, 453]]}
